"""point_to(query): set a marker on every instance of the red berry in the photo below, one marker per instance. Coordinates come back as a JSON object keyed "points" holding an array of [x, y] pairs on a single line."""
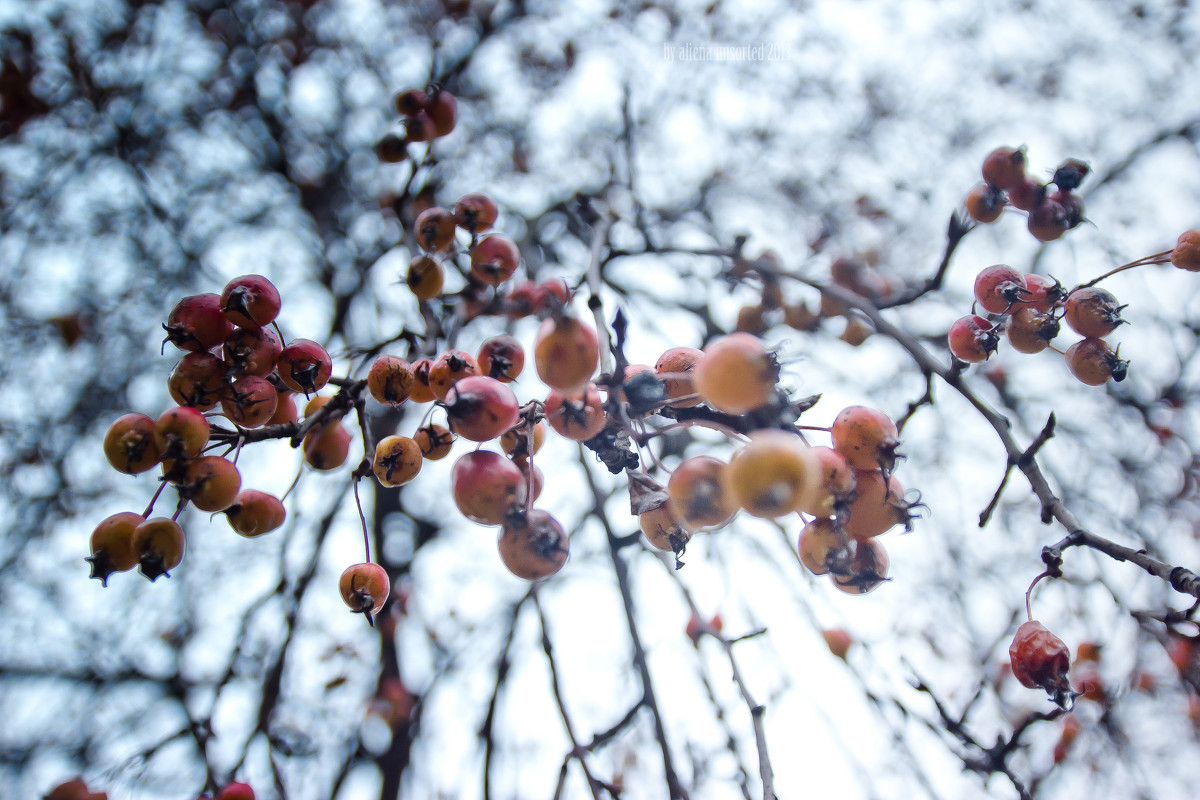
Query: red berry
{"points": [[1070, 174], [494, 259], [999, 287], [1093, 312], [1093, 362], [866, 437], [1027, 194], [390, 380], [1039, 658], [434, 229], [391, 149], [250, 301], [198, 380], [984, 203], [1186, 254], [480, 408], [327, 447], [196, 323], [475, 213], [443, 110], [304, 366], [565, 353], [773, 475], [1044, 293], [533, 545], [576, 416], [698, 495], [112, 545], [435, 441], [211, 483], [159, 544], [1030, 330], [879, 505], [251, 351], [674, 368], [867, 570], [501, 357], [254, 513], [130, 445], [1004, 167], [425, 277], [250, 401], [411, 102], [487, 486], [449, 368], [972, 339], [819, 545], [365, 588]]}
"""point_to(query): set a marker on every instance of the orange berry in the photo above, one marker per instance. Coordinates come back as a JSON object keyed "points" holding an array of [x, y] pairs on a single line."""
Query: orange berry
{"points": [[112, 545], [565, 353], [773, 474], [533, 545], [365, 588], [130, 445], [736, 374]]}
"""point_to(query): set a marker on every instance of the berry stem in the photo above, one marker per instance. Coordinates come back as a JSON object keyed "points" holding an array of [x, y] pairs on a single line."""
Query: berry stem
{"points": [[1156, 258], [1029, 592], [157, 493], [363, 518]]}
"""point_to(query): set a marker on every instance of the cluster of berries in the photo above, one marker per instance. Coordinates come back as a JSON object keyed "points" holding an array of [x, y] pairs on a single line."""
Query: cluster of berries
{"points": [[1050, 213], [234, 360], [428, 114], [1028, 308]]}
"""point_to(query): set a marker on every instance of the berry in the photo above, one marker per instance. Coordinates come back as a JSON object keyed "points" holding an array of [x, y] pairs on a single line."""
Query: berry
{"points": [[254, 513], [663, 529], [327, 447], [515, 441], [443, 110], [304, 366], [250, 301], [1186, 254], [285, 408], [480, 408], [411, 102], [487, 486], [866, 438], [579, 417], [449, 368], [674, 368], [475, 213], [1070, 174], [251, 351], [879, 506], [972, 339], [1093, 362], [998, 287], [501, 357], [834, 483], [435, 441], [421, 391], [391, 149], [697, 494], [1004, 167], [418, 128], [533, 545], [838, 641], [1044, 293], [868, 569], [397, 460], [1030, 330], [196, 323], [984, 203], [1050, 218], [1040, 659], [565, 353], [494, 259], [1093, 312], [250, 401], [211, 483], [425, 277], [130, 445], [772, 475], [736, 374], [818, 545], [434, 229], [159, 544], [365, 588], [390, 380], [112, 545], [198, 380], [1027, 194]]}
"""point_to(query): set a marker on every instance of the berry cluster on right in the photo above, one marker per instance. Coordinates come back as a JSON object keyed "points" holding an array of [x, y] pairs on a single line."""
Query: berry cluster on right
{"points": [[1050, 213]]}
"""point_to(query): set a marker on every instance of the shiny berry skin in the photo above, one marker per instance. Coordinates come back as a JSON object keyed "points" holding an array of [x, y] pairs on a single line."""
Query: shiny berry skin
{"points": [[211, 483], [984, 203], [1045, 293], [698, 495], [501, 357], [1093, 362], [449, 368], [443, 110], [736, 374], [565, 353], [1186, 254], [130, 445], [112, 545], [411, 102], [475, 213], [818, 542], [487, 486], [249, 402], [972, 339], [421, 391], [1004, 167], [365, 588], [877, 508], [674, 368], [480, 408], [866, 438], [250, 301], [579, 416], [834, 486], [772, 475], [434, 229], [425, 277], [390, 380], [254, 513], [435, 441], [1040, 659], [533, 545], [868, 569], [1030, 331], [998, 287], [198, 380], [327, 447], [494, 259], [397, 460], [196, 324], [1027, 195], [1093, 312], [304, 366], [158, 543], [251, 351]]}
